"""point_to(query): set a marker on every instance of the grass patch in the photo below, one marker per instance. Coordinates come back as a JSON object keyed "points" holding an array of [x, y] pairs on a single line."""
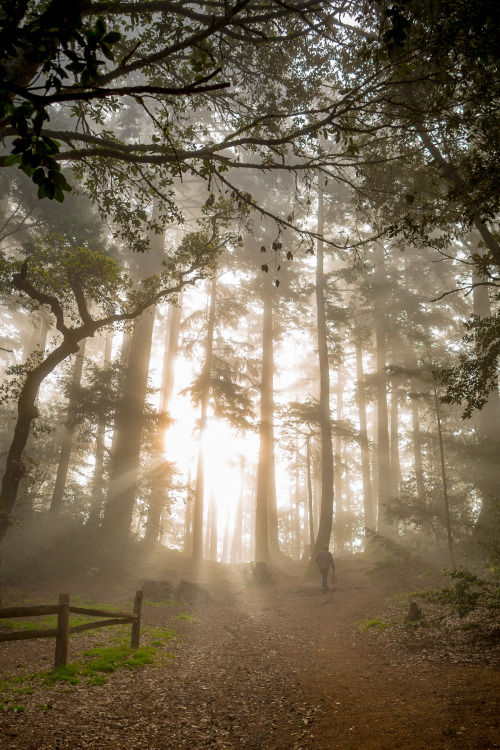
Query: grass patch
{"points": [[163, 603], [92, 666], [186, 616], [373, 624]]}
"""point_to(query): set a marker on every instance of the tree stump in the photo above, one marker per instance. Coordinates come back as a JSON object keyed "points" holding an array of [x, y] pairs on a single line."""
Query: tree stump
{"points": [[157, 591], [414, 613], [192, 593], [262, 573]]}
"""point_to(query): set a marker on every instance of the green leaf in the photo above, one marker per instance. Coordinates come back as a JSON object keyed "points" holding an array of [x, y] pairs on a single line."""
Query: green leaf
{"points": [[58, 194], [38, 176], [12, 159]]}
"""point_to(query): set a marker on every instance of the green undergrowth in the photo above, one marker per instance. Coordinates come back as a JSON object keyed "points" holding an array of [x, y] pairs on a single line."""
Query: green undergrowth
{"points": [[90, 667], [186, 616], [373, 624], [163, 603]]}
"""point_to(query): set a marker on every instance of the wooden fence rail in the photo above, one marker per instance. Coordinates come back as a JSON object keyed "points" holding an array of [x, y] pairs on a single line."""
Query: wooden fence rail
{"points": [[63, 630]]}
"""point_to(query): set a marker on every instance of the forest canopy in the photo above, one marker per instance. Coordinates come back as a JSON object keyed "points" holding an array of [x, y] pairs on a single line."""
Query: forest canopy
{"points": [[168, 163]]}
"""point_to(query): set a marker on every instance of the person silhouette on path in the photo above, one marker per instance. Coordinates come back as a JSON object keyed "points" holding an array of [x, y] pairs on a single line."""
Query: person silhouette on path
{"points": [[324, 561]]}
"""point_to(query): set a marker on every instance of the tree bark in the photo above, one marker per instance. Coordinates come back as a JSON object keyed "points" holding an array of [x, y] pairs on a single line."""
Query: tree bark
{"points": [[26, 413], [383, 457], [127, 446], [67, 441], [236, 544], [369, 514], [395, 462], [326, 507], [338, 525], [97, 494], [197, 553], [262, 530]]}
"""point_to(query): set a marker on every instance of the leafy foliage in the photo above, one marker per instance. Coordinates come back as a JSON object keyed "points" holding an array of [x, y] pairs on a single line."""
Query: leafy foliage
{"points": [[468, 593], [476, 374]]}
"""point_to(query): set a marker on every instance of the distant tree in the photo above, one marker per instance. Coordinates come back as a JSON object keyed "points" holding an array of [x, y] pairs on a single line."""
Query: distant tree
{"points": [[85, 292]]}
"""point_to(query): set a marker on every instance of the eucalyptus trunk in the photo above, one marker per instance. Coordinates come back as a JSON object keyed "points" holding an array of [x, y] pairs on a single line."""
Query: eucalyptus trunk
{"points": [[383, 454], [97, 494], [339, 511], [67, 440], [197, 553], [326, 507], [27, 412], [368, 509]]}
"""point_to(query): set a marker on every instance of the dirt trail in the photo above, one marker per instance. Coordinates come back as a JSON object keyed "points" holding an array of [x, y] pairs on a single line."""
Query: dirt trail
{"points": [[279, 667]]}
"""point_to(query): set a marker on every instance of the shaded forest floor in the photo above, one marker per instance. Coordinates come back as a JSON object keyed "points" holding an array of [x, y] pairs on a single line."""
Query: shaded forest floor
{"points": [[271, 667]]}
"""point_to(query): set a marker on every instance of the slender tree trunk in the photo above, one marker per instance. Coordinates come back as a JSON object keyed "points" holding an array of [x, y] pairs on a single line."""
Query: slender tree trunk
{"points": [[369, 515], [384, 467], [213, 554], [488, 417], [67, 441], [339, 512], [326, 507], [225, 540], [129, 423], [417, 451], [170, 356], [197, 553], [445, 483], [310, 513], [156, 505], [272, 508], [297, 503], [236, 545], [395, 462], [265, 467], [187, 528], [97, 494]]}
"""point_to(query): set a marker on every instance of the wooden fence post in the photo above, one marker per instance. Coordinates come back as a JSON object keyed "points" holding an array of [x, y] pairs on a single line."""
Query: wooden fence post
{"points": [[136, 625], [63, 627]]}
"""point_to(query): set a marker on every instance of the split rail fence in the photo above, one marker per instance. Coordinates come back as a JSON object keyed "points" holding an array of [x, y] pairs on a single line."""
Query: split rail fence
{"points": [[63, 630]]}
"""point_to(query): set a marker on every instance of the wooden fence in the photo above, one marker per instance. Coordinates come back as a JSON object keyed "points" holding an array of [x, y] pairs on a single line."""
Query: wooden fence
{"points": [[63, 630]]}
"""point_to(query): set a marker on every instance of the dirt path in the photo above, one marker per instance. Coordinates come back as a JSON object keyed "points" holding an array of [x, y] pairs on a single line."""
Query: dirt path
{"points": [[275, 668]]}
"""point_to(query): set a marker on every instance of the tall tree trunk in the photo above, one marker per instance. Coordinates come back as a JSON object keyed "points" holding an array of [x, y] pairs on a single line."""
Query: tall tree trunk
{"points": [[97, 494], [187, 528], [383, 457], [417, 451], [297, 504], [326, 507], [213, 551], [488, 417], [310, 514], [156, 502], [128, 427], [170, 355], [444, 480], [395, 462], [129, 422], [369, 515], [272, 507], [67, 441], [236, 544], [225, 540], [265, 467], [197, 553], [339, 512]]}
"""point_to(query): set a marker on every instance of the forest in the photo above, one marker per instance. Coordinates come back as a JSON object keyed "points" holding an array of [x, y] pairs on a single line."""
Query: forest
{"points": [[248, 288]]}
